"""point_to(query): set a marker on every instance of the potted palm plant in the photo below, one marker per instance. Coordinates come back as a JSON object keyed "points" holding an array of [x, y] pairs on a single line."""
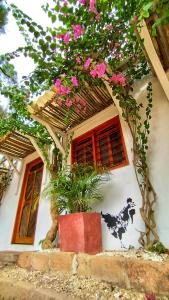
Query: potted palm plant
{"points": [[76, 189]]}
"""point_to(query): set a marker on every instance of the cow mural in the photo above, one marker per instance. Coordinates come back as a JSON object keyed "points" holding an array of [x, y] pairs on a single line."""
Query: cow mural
{"points": [[118, 224]]}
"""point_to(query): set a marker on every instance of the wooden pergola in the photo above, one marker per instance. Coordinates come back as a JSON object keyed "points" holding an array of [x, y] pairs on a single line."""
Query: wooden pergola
{"points": [[16, 145], [46, 111], [46, 108]]}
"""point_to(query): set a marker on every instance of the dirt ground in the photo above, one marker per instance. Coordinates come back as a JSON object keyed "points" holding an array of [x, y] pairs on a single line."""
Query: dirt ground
{"points": [[17, 283]]}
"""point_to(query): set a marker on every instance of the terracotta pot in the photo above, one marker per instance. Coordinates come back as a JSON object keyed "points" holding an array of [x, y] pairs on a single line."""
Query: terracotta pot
{"points": [[80, 232]]}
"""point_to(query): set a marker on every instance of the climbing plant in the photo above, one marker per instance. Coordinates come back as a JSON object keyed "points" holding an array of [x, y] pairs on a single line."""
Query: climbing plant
{"points": [[3, 16], [94, 42]]}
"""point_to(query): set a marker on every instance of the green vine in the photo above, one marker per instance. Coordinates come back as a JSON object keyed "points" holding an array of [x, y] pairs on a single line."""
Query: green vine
{"points": [[138, 119]]}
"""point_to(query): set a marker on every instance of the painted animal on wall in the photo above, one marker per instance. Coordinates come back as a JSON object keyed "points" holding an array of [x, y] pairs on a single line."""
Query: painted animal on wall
{"points": [[118, 224]]}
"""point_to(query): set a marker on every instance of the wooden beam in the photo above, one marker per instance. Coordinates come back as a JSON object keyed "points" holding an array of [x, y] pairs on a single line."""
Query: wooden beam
{"points": [[115, 100], [52, 131], [55, 138], [12, 164], [37, 148], [154, 59], [46, 122]]}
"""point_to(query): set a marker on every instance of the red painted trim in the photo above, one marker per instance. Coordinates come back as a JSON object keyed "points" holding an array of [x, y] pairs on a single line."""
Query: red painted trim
{"points": [[92, 134], [15, 237]]}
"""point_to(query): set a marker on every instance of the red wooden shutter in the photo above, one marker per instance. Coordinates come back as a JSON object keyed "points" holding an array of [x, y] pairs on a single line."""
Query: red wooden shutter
{"points": [[103, 146], [109, 145], [83, 151]]}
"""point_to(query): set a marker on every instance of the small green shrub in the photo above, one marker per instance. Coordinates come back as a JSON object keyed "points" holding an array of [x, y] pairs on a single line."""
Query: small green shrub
{"points": [[157, 247], [76, 188]]}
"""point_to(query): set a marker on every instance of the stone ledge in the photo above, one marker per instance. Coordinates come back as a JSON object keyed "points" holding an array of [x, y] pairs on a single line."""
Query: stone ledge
{"points": [[44, 261], [8, 257], [141, 275]]}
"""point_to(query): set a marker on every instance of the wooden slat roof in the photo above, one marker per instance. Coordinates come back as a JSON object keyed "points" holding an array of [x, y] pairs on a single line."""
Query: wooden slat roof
{"points": [[46, 107], [16, 145]]}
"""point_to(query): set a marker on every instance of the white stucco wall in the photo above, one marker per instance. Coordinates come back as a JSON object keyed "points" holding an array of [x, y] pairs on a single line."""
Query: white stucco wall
{"points": [[123, 184], [158, 154], [9, 206]]}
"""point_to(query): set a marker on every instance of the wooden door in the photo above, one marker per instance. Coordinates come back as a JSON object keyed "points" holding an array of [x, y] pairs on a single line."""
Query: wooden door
{"points": [[26, 217]]}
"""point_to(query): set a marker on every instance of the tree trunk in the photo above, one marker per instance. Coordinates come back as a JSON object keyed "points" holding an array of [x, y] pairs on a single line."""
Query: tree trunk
{"points": [[48, 242]]}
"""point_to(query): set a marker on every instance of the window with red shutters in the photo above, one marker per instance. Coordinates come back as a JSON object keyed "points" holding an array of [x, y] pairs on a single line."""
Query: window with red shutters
{"points": [[103, 146], [83, 151]]}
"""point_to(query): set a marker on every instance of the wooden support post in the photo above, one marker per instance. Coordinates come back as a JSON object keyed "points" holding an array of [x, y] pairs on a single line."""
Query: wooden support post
{"points": [[52, 132], [37, 148], [12, 164], [40, 120], [55, 138], [154, 59], [115, 100]]}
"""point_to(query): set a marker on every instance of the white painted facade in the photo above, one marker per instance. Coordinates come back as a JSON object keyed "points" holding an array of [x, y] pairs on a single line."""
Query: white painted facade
{"points": [[8, 210], [123, 183]]}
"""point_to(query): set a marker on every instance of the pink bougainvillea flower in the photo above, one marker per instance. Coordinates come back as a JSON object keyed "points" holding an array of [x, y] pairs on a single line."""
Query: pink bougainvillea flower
{"points": [[98, 17], [77, 110], [109, 27], [59, 102], [92, 6], [67, 90], [63, 90], [118, 79], [69, 103], [101, 69], [60, 36], [82, 102], [87, 63], [122, 81], [82, 1], [75, 81], [134, 19], [79, 106], [78, 59], [78, 31], [77, 99], [66, 38], [93, 73], [57, 83], [114, 78]]}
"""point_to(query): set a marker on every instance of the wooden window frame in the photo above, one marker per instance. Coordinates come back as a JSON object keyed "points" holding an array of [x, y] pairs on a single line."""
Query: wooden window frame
{"points": [[27, 240], [92, 133]]}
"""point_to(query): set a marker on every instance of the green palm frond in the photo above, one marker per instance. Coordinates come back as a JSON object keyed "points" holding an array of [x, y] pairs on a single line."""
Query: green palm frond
{"points": [[77, 188]]}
